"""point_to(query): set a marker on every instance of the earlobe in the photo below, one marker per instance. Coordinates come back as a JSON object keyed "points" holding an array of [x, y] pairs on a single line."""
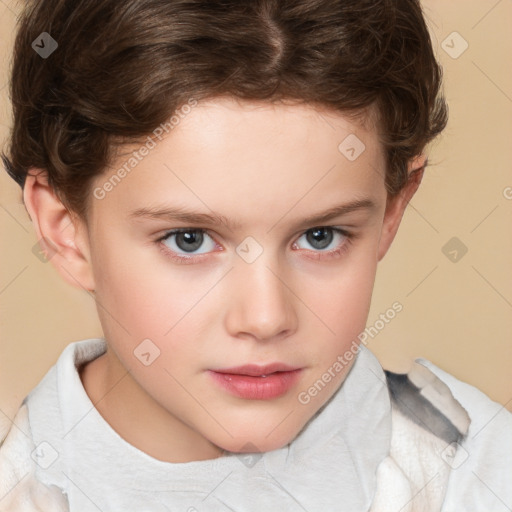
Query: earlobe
{"points": [[396, 205], [61, 235]]}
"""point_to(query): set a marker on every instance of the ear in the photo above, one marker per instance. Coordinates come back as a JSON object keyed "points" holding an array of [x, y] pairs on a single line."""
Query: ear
{"points": [[395, 206], [61, 234]]}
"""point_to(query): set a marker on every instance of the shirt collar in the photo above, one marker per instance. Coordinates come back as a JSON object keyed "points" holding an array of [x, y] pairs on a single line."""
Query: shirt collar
{"points": [[333, 461]]}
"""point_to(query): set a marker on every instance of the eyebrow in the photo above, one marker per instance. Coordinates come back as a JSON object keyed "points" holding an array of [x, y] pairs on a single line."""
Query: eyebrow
{"points": [[174, 213]]}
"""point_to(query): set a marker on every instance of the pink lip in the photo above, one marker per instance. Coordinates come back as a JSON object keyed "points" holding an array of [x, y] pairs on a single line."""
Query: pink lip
{"points": [[256, 370], [247, 381]]}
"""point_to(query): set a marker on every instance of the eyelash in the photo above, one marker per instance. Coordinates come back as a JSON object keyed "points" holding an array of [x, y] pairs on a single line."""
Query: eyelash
{"points": [[317, 255]]}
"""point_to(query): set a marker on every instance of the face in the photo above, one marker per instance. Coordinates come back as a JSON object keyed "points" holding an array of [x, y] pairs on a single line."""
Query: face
{"points": [[248, 235]]}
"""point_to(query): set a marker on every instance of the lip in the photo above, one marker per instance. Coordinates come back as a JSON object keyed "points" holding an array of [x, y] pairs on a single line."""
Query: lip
{"points": [[257, 382], [256, 370]]}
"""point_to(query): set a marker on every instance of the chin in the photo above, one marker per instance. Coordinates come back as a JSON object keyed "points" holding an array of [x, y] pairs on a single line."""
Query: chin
{"points": [[253, 444], [252, 441]]}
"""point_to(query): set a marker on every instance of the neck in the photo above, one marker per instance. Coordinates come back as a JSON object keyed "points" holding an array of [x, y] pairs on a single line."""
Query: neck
{"points": [[138, 418]]}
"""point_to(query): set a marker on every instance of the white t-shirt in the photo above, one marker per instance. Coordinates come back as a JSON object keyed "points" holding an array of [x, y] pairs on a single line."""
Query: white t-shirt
{"points": [[331, 465]]}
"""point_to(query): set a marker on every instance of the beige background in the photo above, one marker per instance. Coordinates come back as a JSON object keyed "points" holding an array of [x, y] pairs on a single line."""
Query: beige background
{"points": [[458, 315]]}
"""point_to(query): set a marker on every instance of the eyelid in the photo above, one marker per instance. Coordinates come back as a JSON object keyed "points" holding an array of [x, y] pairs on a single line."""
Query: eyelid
{"points": [[317, 254], [175, 231], [341, 229], [181, 258]]}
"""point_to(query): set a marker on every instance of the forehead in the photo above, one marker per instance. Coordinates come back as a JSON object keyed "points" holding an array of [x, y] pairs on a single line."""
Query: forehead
{"points": [[216, 122], [234, 156]]}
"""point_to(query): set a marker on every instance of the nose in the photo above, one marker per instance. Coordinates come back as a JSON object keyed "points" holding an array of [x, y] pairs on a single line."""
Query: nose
{"points": [[262, 305]]}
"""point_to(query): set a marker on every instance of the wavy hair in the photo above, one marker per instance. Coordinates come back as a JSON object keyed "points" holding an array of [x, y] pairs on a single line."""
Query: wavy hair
{"points": [[122, 68]]}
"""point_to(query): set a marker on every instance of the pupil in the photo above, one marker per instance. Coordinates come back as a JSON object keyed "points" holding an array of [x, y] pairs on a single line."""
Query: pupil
{"points": [[320, 237], [189, 240]]}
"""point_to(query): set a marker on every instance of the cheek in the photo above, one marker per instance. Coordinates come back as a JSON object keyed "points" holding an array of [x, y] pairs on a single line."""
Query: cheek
{"points": [[141, 296], [345, 301], [136, 283]]}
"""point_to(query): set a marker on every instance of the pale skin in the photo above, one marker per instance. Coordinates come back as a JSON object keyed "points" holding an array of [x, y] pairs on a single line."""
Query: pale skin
{"points": [[265, 168]]}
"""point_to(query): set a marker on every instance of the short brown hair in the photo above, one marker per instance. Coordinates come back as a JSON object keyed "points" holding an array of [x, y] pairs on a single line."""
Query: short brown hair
{"points": [[122, 68]]}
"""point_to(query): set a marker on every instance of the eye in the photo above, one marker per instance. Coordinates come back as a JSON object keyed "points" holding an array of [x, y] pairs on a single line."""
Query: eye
{"points": [[187, 245], [188, 242], [325, 239]]}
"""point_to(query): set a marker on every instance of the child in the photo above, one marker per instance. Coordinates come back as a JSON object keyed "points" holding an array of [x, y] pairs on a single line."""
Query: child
{"points": [[224, 177]]}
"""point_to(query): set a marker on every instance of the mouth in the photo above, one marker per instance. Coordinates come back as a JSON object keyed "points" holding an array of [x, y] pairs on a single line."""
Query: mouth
{"points": [[255, 382]]}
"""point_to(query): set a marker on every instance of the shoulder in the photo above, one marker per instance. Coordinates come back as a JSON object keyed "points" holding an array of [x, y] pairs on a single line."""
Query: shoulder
{"points": [[486, 415], [481, 460], [451, 439], [422, 397], [24, 446], [19, 487], [426, 421]]}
